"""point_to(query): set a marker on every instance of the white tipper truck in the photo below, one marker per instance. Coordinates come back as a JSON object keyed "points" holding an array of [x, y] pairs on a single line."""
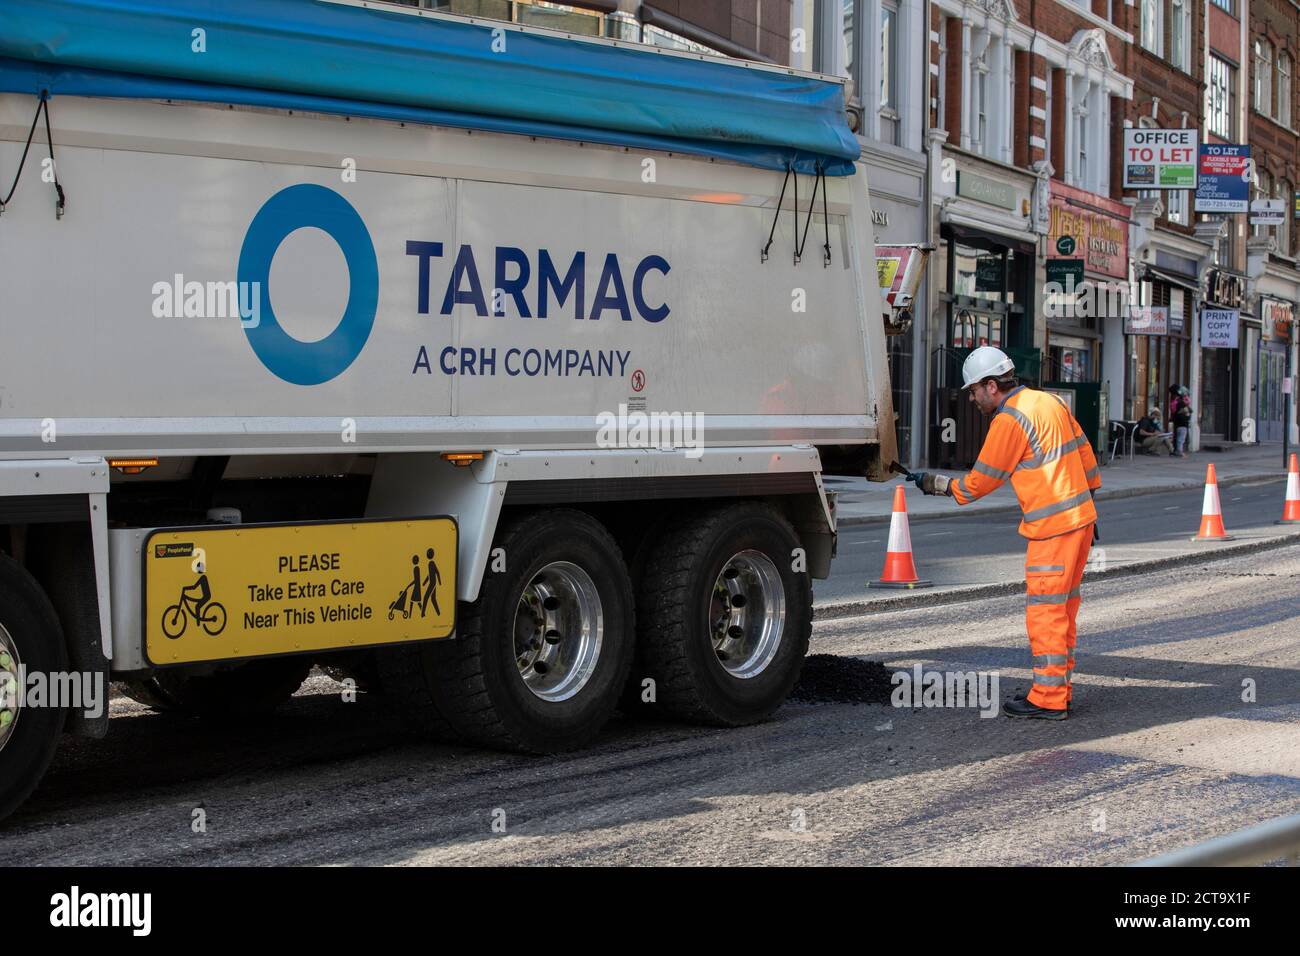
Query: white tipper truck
{"points": [[497, 369]]}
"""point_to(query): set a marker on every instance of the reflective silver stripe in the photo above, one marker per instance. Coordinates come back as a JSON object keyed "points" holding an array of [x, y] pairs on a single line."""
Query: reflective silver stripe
{"points": [[1046, 598], [1030, 432], [1045, 567], [1092, 472], [1050, 660], [1051, 598], [961, 484], [984, 469], [1054, 454], [1073, 502], [1069, 675], [1049, 680]]}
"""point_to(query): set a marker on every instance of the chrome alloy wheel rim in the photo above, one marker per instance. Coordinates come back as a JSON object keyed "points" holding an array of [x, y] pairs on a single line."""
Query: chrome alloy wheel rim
{"points": [[10, 687], [558, 631], [747, 614]]}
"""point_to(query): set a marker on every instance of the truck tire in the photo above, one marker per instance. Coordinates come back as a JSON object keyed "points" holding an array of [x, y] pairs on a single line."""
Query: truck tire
{"points": [[723, 621], [539, 660], [30, 636], [249, 689]]}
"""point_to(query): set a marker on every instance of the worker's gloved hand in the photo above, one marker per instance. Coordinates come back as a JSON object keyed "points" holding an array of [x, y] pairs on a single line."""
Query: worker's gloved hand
{"points": [[931, 484], [1096, 532]]}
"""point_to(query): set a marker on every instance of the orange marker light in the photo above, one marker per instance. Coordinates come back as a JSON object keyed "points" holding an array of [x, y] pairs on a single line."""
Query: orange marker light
{"points": [[462, 458], [131, 466]]}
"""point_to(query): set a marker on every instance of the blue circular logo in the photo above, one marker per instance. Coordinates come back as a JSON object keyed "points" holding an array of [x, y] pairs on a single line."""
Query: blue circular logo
{"points": [[299, 207]]}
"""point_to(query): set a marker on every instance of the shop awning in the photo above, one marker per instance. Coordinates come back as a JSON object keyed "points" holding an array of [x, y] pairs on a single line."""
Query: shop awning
{"points": [[328, 57], [1173, 278]]}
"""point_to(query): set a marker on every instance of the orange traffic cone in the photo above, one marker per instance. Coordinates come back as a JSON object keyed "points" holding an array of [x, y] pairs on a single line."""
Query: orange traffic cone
{"points": [[900, 570], [1291, 509], [1211, 513]]}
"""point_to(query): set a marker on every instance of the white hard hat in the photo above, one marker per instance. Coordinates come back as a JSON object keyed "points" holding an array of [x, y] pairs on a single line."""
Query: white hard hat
{"points": [[985, 362]]}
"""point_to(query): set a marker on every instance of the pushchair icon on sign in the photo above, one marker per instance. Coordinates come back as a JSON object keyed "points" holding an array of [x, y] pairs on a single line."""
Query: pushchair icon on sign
{"points": [[403, 603]]}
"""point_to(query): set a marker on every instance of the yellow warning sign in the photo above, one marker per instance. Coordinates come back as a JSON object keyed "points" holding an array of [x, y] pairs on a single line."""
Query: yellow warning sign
{"points": [[235, 591]]}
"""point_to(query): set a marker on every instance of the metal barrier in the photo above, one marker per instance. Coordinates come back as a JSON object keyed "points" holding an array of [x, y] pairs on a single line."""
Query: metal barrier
{"points": [[1275, 840]]}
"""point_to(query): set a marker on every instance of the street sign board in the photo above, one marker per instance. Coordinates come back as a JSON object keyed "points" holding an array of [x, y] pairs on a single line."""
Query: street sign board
{"points": [[1223, 184], [1160, 158]]}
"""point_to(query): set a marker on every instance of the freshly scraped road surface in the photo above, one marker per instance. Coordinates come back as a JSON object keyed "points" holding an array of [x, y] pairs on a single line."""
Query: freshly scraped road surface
{"points": [[1161, 752]]}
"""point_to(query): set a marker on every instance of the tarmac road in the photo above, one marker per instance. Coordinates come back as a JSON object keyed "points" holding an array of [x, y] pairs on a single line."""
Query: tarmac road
{"points": [[1160, 752]]}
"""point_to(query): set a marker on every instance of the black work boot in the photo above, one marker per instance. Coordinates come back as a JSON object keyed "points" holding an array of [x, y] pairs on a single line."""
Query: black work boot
{"points": [[1025, 696], [1021, 707]]}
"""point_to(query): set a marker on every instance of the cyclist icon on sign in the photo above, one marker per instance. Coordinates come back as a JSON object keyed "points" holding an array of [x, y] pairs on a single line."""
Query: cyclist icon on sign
{"points": [[196, 602]]}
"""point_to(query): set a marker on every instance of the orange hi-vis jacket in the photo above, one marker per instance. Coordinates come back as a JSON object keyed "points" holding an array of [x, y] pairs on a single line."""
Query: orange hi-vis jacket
{"points": [[1035, 441]]}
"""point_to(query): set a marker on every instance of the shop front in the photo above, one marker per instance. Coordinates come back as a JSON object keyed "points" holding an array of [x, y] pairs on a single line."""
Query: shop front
{"points": [[1086, 289], [1086, 280], [985, 276], [1224, 351], [898, 219], [1277, 318], [1158, 355]]}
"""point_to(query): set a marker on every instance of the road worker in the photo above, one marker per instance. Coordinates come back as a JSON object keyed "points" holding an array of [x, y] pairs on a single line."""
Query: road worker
{"points": [[1034, 441]]}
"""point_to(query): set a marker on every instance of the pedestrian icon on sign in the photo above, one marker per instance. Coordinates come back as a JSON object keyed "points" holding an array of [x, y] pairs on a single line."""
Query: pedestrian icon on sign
{"points": [[420, 591]]}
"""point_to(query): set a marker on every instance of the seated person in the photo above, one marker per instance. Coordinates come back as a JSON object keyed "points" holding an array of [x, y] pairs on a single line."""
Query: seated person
{"points": [[1152, 438]]}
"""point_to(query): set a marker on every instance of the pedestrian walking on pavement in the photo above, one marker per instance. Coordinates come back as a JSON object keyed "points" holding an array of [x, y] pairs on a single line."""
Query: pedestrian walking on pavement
{"points": [[1035, 442]]}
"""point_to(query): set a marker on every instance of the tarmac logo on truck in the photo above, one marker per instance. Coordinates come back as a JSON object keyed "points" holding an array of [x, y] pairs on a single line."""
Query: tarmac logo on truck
{"points": [[587, 287], [297, 207]]}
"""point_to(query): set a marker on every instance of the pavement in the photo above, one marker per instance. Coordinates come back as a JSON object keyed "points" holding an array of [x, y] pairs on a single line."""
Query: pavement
{"points": [[865, 502], [1183, 729]]}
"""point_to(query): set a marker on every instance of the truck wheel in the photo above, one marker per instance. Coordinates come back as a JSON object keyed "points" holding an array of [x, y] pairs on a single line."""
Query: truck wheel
{"points": [[538, 661], [31, 639], [722, 619], [250, 689]]}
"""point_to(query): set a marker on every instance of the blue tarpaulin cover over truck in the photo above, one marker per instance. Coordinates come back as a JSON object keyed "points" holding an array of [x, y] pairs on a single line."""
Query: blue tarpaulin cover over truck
{"points": [[337, 58]]}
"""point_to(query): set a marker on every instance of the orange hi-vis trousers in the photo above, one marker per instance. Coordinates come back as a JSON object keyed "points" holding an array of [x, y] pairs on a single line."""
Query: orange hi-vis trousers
{"points": [[1053, 572]]}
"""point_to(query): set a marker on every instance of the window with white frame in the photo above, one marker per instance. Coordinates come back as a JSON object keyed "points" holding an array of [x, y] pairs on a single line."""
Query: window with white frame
{"points": [[1224, 246], [1220, 98], [889, 74], [1176, 206], [1180, 34], [1229, 5], [1283, 112], [1262, 189], [941, 82], [1047, 122], [1084, 126], [1152, 36], [1081, 170], [849, 12], [979, 106], [1282, 191], [1263, 89]]}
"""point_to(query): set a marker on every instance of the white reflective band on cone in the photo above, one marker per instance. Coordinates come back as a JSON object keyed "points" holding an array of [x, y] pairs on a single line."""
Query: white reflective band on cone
{"points": [[900, 537], [1211, 503]]}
